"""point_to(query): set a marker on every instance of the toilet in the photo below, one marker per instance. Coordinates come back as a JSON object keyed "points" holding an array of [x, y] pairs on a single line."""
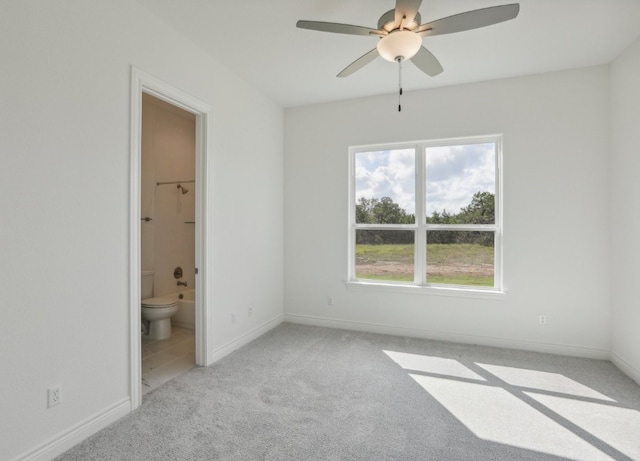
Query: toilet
{"points": [[157, 311]]}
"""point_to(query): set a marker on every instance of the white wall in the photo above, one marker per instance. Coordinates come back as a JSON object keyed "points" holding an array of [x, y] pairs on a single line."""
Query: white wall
{"points": [[556, 221], [64, 232], [168, 154], [625, 203]]}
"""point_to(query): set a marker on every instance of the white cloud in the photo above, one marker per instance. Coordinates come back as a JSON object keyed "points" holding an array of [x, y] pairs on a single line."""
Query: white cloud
{"points": [[387, 174], [454, 174]]}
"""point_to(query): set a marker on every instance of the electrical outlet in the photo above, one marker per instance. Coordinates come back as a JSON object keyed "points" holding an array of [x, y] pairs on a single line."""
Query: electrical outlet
{"points": [[542, 319], [250, 311], [329, 300], [54, 396], [233, 318]]}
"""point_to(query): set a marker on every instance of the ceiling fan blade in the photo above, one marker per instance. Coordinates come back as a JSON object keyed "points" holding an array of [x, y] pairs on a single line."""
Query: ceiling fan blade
{"points": [[336, 28], [406, 9], [427, 62], [359, 63], [470, 20]]}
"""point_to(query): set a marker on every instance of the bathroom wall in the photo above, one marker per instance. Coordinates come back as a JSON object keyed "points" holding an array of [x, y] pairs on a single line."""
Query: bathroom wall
{"points": [[168, 154]]}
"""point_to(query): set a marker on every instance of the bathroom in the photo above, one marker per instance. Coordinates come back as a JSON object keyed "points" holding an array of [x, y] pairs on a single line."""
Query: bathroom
{"points": [[167, 239]]}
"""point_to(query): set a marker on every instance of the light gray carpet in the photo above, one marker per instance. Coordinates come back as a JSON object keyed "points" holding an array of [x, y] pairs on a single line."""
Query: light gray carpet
{"points": [[307, 393]]}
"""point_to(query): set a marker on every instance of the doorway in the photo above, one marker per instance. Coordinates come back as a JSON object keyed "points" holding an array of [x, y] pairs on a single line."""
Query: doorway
{"points": [[167, 239], [178, 206]]}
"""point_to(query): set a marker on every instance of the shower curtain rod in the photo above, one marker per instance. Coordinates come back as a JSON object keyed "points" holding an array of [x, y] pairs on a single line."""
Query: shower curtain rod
{"points": [[174, 182]]}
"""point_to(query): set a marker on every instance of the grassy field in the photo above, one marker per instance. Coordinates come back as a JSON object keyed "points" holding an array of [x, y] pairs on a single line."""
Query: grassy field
{"points": [[454, 264]]}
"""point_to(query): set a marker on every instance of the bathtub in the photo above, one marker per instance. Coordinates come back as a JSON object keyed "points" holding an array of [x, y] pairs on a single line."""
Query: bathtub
{"points": [[186, 315]]}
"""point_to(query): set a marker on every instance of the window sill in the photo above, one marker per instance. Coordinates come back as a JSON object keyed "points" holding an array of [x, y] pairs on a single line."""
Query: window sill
{"points": [[370, 286]]}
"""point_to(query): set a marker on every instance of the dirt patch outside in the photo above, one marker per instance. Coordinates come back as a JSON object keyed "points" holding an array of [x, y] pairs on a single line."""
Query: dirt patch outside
{"points": [[399, 270]]}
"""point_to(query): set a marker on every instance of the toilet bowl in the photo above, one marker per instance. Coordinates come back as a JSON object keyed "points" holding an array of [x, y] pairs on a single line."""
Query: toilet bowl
{"points": [[158, 312]]}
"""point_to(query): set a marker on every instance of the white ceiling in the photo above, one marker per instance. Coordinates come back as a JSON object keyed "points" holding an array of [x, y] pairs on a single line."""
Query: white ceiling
{"points": [[258, 40]]}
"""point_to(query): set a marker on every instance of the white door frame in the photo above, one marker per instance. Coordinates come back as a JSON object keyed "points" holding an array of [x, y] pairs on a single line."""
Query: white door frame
{"points": [[142, 82]]}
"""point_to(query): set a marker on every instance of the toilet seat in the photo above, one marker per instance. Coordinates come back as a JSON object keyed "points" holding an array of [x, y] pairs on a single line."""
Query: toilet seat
{"points": [[158, 302]]}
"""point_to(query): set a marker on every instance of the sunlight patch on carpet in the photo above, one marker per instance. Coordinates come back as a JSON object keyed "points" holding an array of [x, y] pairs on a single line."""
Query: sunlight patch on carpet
{"points": [[618, 427], [494, 414], [544, 381], [435, 365]]}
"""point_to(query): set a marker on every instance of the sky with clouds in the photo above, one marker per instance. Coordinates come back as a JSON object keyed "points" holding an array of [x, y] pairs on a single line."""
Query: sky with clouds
{"points": [[454, 174]]}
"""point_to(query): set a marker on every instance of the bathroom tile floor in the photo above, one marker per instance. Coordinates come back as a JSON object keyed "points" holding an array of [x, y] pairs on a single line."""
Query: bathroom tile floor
{"points": [[166, 359]]}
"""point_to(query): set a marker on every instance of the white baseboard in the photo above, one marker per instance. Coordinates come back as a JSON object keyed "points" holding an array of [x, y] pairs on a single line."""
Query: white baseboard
{"points": [[599, 354], [237, 343], [65, 440], [626, 367]]}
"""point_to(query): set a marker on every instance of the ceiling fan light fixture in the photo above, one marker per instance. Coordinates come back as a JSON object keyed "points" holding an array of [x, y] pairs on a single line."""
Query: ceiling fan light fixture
{"points": [[401, 43]]}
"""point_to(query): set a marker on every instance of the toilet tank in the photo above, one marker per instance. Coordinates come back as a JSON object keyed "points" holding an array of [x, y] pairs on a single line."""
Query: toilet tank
{"points": [[146, 285]]}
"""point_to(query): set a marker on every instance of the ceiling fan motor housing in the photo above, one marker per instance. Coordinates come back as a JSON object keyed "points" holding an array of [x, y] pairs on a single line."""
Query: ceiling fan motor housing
{"points": [[388, 22]]}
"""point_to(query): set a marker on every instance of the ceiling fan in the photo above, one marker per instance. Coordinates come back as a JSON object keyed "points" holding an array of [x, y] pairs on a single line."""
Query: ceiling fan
{"points": [[400, 34]]}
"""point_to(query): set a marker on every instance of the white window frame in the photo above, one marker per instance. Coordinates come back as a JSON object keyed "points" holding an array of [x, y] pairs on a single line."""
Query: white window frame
{"points": [[420, 227]]}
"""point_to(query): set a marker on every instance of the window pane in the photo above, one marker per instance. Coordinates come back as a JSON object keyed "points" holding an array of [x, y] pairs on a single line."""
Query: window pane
{"points": [[385, 186], [460, 258], [461, 184], [385, 254]]}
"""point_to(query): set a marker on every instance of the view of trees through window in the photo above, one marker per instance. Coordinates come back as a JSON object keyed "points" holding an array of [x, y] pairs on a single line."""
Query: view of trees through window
{"points": [[457, 245]]}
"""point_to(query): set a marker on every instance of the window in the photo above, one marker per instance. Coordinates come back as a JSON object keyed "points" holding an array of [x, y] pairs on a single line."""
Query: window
{"points": [[426, 214]]}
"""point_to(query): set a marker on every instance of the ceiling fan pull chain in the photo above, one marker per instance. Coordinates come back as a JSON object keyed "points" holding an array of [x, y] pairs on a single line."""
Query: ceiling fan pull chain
{"points": [[399, 59]]}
